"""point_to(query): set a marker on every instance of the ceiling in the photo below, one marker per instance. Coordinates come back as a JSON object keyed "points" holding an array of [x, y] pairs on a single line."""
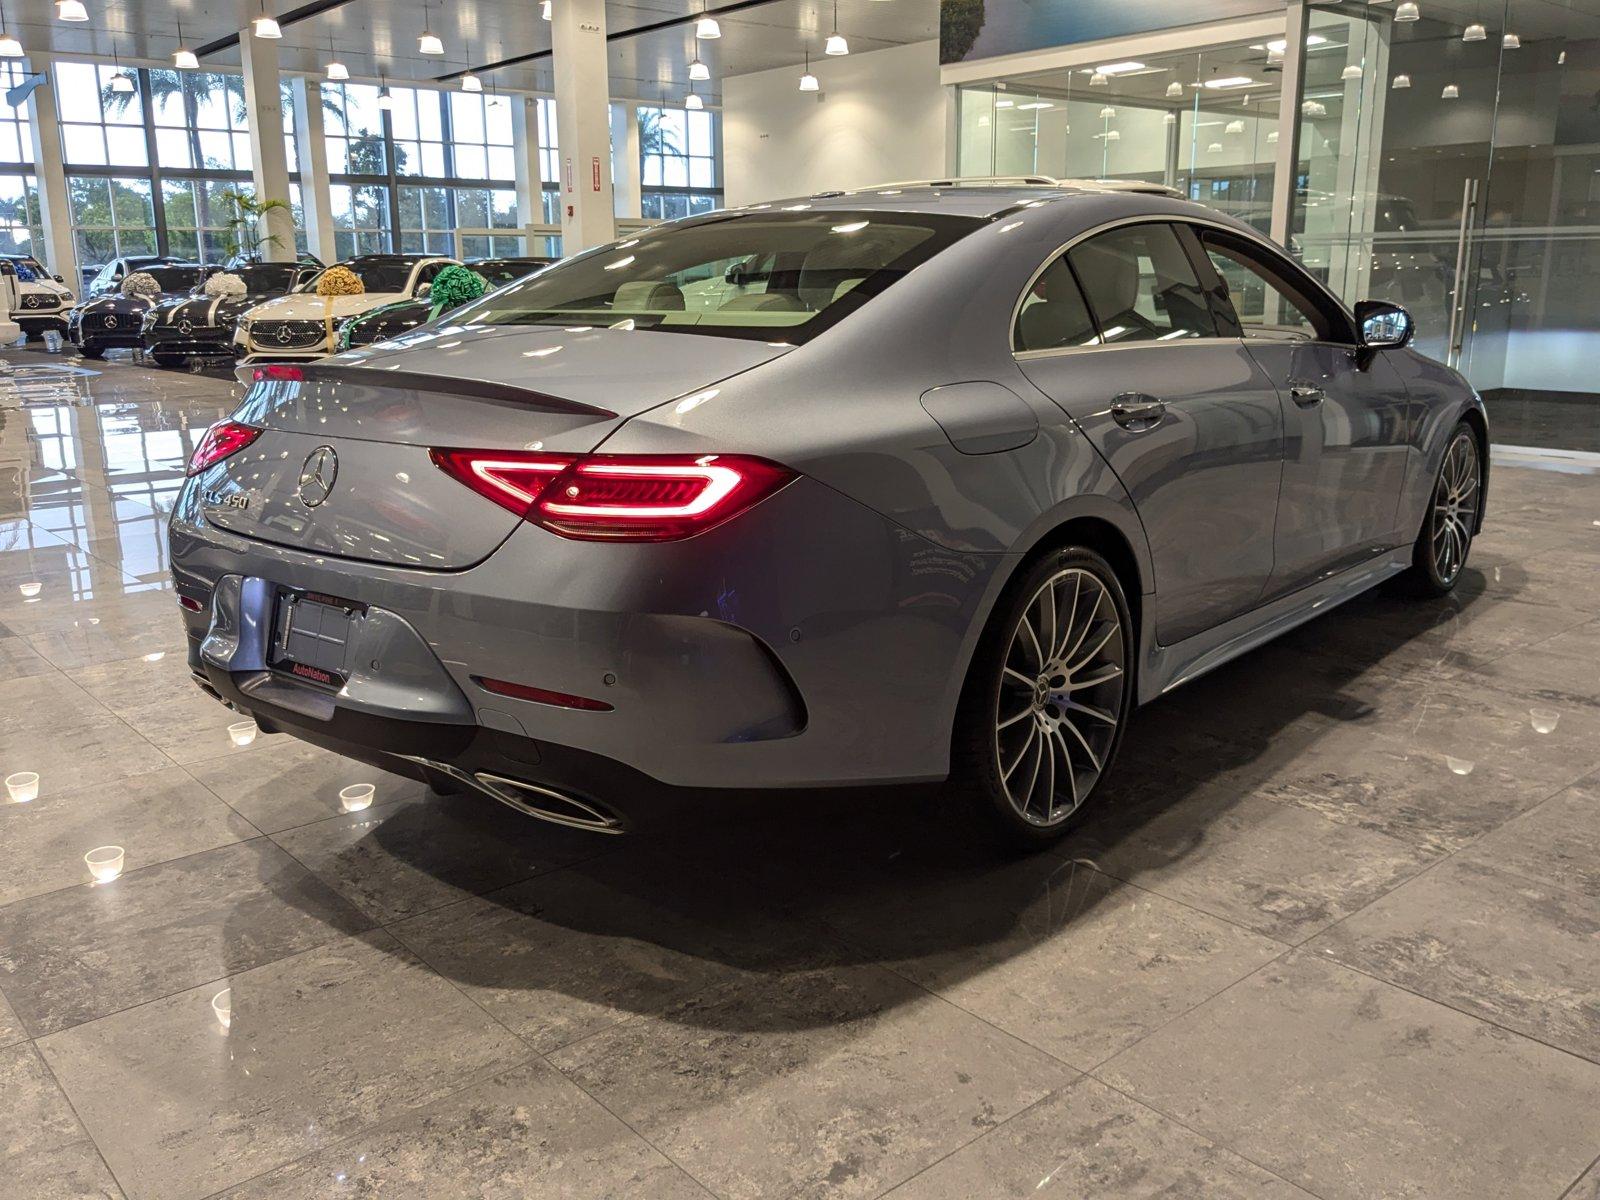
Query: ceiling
{"points": [[379, 37]]}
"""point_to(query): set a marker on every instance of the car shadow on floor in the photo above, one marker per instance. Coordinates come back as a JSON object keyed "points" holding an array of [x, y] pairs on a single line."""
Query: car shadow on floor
{"points": [[767, 889]]}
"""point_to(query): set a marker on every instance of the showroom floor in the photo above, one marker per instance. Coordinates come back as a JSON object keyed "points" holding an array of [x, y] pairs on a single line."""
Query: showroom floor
{"points": [[1336, 932]]}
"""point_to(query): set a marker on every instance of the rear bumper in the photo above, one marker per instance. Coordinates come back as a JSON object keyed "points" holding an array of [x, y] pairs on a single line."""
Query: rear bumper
{"points": [[809, 643]]}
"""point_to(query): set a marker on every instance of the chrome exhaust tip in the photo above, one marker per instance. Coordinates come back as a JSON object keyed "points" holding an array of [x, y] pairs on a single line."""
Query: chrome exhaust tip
{"points": [[548, 804]]}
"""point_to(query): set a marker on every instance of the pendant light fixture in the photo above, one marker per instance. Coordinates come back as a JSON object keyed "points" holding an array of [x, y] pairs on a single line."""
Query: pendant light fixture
{"points": [[836, 44], [9, 46], [1234, 126], [1401, 82], [385, 101], [121, 81], [429, 42], [1107, 112], [692, 101], [707, 28], [808, 81], [1407, 11], [1353, 71], [1511, 42], [1474, 33], [71, 10], [1451, 92], [265, 26], [1174, 90], [184, 59], [471, 83], [698, 69], [544, 9], [1169, 118], [337, 71], [1098, 79]]}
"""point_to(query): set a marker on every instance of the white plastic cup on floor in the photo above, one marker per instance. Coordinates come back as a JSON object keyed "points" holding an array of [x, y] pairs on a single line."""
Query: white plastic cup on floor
{"points": [[1544, 720], [356, 797], [23, 786], [30, 589], [242, 732], [105, 863], [222, 1006]]}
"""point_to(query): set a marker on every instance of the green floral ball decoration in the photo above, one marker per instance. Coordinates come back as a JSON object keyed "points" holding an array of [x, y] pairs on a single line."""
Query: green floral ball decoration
{"points": [[141, 283], [454, 286]]}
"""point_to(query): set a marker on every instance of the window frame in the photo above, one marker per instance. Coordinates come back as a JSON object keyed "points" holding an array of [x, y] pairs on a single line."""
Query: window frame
{"points": [[1332, 324], [1207, 273]]}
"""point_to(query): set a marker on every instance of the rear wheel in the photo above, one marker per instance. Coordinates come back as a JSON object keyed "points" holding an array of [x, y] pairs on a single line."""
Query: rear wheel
{"points": [[1446, 537], [1050, 689]]}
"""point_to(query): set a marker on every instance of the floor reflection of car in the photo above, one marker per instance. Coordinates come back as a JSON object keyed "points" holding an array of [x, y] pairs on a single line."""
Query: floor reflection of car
{"points": [[42, 298], [305, 325], [183, 328], [391, 320], [114, 320], [947, 481]]}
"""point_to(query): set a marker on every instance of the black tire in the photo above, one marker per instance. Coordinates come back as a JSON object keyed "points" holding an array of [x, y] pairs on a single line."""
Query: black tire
{"points": [[162, 359], [1004, 716], [1440, 554], [90, 351]]}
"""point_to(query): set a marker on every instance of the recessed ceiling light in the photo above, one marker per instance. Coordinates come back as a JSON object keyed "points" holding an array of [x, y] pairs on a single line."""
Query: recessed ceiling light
{"points": [[1229, 81], [1035, 104], [1120, 68]]}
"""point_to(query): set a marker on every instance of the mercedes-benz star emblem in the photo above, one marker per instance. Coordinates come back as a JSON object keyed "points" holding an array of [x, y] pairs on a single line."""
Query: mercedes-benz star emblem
{"points": [[111, 320], [321, 468], [185, 327], [284, 335]]}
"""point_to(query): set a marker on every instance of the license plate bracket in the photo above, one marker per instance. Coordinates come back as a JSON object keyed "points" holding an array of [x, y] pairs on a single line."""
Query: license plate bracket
{"points": [[311, 636]]}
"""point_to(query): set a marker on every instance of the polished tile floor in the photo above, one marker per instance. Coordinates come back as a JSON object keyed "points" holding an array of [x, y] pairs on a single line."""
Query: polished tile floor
{"points": [[1336, 932]]}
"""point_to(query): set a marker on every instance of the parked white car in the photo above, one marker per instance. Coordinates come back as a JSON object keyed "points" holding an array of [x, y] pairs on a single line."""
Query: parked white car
{"points": [[304, 325], [42, 299]]}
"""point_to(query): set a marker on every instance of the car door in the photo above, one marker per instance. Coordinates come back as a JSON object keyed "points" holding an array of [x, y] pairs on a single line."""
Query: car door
{"points": [[1185, 417], [1345, 413]]}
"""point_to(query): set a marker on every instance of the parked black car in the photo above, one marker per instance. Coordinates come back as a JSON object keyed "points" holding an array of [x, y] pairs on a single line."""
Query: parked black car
{"points": [[97, 281], [112, 320], [394, 319], [201, 326]]}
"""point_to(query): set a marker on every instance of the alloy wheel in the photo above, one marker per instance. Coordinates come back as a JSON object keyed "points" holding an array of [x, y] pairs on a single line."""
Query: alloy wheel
{"points": [[1455, 507], [1060, 696]]}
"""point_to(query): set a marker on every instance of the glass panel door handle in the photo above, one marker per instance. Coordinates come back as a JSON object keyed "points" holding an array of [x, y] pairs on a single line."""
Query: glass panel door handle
{"points": [[1137, 411]]}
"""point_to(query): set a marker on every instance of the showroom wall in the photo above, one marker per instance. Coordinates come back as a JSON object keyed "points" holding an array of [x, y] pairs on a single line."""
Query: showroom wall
{"points": [[879, 116]]}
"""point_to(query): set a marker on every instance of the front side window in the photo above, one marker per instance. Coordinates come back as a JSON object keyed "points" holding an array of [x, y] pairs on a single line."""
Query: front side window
{"points": [[760, 276], [1266, 301], [1141, 286]]}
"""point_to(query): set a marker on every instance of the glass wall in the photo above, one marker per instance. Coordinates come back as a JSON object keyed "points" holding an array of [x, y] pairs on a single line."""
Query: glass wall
{"points": [[21, 227], [678, 162]]}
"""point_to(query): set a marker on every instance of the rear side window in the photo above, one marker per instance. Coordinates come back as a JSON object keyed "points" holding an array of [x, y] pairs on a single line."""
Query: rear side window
{"points": [[1053, 314], [765, 276], [1141, 285]]}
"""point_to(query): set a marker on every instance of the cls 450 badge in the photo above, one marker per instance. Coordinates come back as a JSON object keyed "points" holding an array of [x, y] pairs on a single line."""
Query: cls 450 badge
{"points": [[231, 500]]}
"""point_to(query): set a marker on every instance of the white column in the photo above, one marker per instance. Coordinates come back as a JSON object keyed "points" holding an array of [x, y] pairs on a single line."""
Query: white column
{"points": [[264, 103], [311, 148], [583, 124], [55, 209], [1297, 20], [525, 153], [625, 159]]}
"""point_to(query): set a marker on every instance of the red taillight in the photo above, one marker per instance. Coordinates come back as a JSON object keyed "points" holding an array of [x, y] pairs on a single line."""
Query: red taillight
{"points": [[221, 440], [617, 497], [278, 373], [522, 691]]}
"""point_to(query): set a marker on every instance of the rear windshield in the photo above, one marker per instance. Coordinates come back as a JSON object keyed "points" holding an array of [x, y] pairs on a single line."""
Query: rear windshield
{"points": [[261, 279], [781, 276]]}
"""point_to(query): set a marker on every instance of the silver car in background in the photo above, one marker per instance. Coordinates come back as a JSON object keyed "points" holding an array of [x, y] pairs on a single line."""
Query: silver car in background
{"points": [[906, 484]]}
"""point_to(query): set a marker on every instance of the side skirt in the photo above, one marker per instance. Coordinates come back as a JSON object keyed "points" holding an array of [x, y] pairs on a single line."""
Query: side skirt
{"points": [[1168, 667]]}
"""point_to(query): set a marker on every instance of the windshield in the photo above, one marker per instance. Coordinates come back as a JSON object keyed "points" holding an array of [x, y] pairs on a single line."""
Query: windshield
{"points": [[765, 276], [389, 275], [29, 270], [174, 279], [501, 271], [262, 279]]}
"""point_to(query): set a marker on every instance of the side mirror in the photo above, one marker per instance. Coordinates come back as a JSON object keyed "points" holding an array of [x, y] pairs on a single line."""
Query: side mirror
{"points": [[58, 279], [1384, 326], [423, 289]]}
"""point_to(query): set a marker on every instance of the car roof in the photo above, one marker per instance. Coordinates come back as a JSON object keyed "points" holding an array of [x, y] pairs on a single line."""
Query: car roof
{"points": [[970, 197]]}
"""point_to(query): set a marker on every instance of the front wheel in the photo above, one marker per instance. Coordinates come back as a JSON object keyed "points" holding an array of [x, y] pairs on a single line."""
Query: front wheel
{"points": [[1048, 694], [89, 351], [1447, 529]]}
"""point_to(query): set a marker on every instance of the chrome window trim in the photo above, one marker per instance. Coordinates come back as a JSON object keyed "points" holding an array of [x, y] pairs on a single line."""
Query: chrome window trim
{"points": [[1243, 233]]}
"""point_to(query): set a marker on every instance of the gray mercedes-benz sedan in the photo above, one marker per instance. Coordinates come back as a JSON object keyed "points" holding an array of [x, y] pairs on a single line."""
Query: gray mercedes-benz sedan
{"points": [[903, 484]]}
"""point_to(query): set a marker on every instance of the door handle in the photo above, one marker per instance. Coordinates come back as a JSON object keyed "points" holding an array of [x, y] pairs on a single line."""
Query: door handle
{"points": [[1136, 411], [1306, 394]]}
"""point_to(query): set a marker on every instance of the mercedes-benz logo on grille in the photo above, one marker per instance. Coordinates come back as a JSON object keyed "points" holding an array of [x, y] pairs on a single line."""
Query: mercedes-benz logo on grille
{"points": [[317, 475], [185, 326], [111, 320], [285, 335]]}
